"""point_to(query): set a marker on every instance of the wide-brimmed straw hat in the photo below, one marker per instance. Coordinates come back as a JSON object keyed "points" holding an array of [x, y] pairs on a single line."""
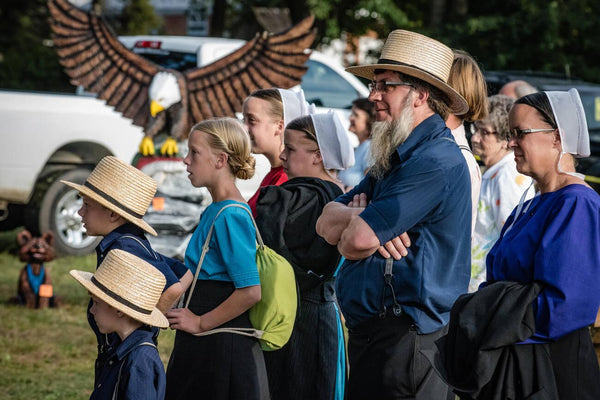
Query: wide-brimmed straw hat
{"points": [[129, 284], [121, 188], [421, 57]]}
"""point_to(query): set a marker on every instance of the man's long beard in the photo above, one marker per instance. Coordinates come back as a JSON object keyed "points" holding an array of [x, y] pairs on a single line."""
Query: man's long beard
{"points": [[386, 136]]}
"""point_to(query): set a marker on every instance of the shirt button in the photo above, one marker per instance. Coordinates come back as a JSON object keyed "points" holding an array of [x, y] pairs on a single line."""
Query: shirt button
{"points": [[110, 363], [99, 384]]}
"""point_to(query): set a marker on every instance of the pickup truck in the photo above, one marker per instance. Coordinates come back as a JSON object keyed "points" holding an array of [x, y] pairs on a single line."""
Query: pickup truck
{"points": [[49, 137]]}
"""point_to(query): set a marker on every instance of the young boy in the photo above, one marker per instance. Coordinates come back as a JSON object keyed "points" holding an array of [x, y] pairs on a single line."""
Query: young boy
{"points": [[116, 196], [124, 291]]}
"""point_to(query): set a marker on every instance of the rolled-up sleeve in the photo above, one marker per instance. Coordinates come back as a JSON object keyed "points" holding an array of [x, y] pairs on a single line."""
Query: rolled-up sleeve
{"points": [[414, 193]]}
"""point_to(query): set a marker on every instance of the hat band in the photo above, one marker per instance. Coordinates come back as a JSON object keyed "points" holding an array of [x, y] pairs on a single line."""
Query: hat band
{"points": [[112, 200], [118, 298], [388, 61]]}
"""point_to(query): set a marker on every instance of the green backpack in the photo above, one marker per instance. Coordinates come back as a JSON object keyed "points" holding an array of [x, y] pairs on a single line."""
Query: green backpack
{"points": [[273, 316]]}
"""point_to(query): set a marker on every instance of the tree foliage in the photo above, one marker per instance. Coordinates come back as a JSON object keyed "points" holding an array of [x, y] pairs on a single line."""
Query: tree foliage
{"points": [[544, 35], [27, 59]]}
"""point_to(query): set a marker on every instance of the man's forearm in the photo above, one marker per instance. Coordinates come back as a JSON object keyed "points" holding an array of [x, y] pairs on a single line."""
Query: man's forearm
{"points": [[334, 220]]}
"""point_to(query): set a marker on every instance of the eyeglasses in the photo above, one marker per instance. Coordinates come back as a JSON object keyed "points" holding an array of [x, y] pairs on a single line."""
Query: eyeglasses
{"points": [[386, 87], [518, 134], [482, 131]]}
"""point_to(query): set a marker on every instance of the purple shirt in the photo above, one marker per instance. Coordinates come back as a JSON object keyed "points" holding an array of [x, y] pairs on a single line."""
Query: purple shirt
{"points": [[555, 242]]}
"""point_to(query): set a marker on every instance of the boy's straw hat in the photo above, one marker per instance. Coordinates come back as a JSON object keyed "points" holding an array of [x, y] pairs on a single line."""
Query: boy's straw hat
{"points": [[419, 56], [121, 188], [129, 284]]}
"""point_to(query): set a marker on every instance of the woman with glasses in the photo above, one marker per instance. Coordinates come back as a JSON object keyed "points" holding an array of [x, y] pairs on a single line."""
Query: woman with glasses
{"points": [[501, 185], [554, 238]]}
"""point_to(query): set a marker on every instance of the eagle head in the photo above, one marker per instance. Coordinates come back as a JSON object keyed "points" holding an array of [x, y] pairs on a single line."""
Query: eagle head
{"points": [[164, 92]]}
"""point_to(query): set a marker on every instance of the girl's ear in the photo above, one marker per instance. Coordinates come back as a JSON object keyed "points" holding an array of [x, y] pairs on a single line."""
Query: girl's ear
{"points": [[317, 158], [222, 159], [280, 128]]}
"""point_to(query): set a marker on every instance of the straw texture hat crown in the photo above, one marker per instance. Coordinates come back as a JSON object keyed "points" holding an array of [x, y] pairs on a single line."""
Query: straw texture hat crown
{"points": [[129, 284], [419, 56], [121, 188]]}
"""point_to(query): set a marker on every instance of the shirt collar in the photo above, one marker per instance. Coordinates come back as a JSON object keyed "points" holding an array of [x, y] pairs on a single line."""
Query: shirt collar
{"points": [[140, 335], [431, 128], [127, 228]]}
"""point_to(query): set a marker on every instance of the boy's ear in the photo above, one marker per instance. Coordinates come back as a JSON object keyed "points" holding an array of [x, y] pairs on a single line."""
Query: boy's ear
{"points": [[114, 217]]}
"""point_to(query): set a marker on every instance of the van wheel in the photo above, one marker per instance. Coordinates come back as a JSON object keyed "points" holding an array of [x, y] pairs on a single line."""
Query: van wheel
{"points": [[55, 210]]}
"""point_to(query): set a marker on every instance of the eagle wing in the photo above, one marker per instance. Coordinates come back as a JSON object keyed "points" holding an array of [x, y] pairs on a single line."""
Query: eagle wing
{"points": [[268, 60], [93, 57]]}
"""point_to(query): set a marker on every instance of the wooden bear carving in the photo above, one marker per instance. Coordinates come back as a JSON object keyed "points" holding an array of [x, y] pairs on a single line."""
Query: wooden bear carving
{"points": [[35, 286]]}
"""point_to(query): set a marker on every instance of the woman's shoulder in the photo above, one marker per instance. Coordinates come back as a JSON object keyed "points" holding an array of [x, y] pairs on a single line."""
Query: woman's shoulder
{"points": [[576, 197]]}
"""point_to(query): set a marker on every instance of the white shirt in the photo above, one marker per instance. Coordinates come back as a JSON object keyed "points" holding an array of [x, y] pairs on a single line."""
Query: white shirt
{"points": [[501, 189], [474, 170]]}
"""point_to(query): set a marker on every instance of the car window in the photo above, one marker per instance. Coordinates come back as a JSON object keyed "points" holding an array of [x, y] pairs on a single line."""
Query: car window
{"points": [[326, 88], [169, 59], [591, 104]]}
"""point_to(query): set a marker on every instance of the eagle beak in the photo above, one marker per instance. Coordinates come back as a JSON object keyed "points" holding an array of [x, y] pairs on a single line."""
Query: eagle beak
{"points": [[155, 108]]}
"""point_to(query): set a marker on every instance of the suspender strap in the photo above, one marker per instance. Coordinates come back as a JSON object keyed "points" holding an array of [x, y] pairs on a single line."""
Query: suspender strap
{"points": [[388, 280]]}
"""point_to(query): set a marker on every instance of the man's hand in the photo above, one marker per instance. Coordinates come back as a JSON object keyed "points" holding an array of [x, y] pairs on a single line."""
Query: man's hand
{"points": [[358, 201], [397, 247]]}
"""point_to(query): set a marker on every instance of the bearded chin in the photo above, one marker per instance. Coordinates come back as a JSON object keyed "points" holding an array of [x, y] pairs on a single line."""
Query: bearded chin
{"points": [[386, 136]]}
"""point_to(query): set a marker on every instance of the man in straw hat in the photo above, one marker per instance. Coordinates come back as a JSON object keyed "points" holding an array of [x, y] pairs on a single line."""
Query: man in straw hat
{"points": [[125, 290], [116, 196], [397, 302]]}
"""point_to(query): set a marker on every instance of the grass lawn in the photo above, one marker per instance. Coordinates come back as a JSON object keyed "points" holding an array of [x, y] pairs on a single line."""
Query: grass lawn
{"points": [[49, 354]]}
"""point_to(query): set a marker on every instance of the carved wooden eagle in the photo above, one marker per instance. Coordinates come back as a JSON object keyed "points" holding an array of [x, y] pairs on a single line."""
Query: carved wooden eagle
{"points": [[146, 92]]}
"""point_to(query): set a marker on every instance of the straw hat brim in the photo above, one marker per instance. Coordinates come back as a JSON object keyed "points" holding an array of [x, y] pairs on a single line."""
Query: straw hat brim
{"points": [[90, 193], [458, 105], [155, 318]]}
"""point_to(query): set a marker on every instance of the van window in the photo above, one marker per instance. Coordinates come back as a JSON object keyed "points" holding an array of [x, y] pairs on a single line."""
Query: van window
{"points": [[326, 88]]}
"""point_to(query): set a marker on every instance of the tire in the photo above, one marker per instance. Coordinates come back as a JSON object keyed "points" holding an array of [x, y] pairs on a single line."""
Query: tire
{"points": [[56, 210]]}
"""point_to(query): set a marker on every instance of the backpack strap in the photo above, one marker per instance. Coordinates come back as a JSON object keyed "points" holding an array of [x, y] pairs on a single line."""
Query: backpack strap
{"points": [[240, 331], [116, 391], [205, 247]]}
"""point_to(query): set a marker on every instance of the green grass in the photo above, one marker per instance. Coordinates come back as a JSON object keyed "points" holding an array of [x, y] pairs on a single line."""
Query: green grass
{"points": [[49, 354]]}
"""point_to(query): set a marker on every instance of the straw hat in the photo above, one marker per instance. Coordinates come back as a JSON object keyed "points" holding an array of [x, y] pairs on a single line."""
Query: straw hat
{"points": [[419, 56], [121, 188], [129, 284]]}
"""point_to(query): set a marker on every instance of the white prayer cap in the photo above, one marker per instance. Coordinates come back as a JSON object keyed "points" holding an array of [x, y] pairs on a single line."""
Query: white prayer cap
{"points": [[294, 105], [334, 144], [572, 125]]}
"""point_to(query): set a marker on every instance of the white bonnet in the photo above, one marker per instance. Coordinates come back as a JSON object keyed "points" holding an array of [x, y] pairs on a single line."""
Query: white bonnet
{"points": [[294, 105], [334, 144], [572, 125]]}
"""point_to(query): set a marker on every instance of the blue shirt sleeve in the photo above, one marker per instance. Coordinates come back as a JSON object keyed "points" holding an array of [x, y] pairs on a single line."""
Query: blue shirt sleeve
{"points": [[568, 262], [235, 237], [412, 193]]}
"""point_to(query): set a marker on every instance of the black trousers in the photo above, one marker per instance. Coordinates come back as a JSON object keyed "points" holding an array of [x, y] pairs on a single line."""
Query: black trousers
{"points": [[386, 363]]}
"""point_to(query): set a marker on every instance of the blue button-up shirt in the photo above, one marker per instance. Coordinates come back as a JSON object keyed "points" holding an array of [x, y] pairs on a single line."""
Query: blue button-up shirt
{"points": [[427, 193], [130, 238], [142, 374]]}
